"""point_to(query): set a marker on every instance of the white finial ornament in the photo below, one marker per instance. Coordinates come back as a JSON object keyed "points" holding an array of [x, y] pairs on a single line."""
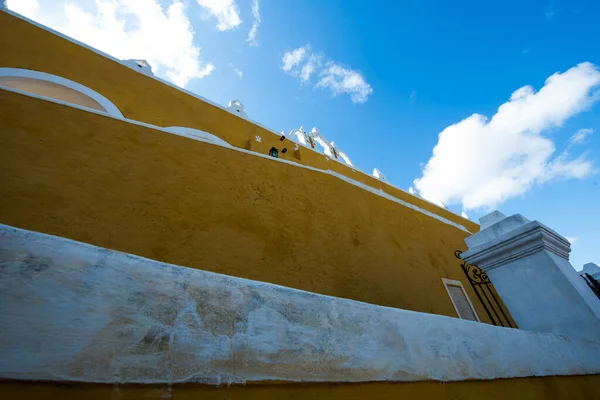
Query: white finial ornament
{"points": [[379, 175], [236, 107]]}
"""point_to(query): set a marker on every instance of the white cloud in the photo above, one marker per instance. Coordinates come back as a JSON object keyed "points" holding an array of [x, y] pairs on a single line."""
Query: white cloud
{"points": [[481, 163], [572, 239], [237, 71], [293, 58], [580, 136], [343, 80], [303, 64], [255, 23], [312, 64], [128, 29], [23, 7], [226, 12]]}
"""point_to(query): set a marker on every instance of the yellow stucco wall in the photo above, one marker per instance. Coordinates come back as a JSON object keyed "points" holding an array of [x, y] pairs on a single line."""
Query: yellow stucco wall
{"points": [[113, 184], [145, 99], [547, 388]]}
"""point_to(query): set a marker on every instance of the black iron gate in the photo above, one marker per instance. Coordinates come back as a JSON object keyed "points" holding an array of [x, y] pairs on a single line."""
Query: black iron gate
{"points": [[485, 293], [592, 283]]}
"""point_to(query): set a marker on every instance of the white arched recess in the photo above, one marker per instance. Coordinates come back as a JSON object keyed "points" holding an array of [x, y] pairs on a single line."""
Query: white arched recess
{"points": [[197, 134], [30, 76]]}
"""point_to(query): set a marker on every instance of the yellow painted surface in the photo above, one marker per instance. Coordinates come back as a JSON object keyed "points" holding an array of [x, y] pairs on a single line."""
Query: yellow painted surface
{"points": [[113, 184], [145, 99], [555, 388]]}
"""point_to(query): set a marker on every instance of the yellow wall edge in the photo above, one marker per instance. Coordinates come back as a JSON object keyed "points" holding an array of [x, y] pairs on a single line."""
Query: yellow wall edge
{"points": [[539, 388]]}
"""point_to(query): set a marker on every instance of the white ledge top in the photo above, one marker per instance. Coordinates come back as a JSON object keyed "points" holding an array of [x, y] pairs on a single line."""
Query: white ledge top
{"points": [[76, 312]]}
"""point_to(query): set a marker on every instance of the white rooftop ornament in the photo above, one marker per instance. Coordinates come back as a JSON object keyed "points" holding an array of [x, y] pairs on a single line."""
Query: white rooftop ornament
{"points": [[414, 192], [379, 175], [317, 137], [300, 135], [142, 66], [236, 107], [338, 153], [464, 215]]}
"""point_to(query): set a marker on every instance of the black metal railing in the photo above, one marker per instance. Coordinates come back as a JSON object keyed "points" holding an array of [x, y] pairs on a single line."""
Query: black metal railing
{"points": [[592, 283], [485, 292]]}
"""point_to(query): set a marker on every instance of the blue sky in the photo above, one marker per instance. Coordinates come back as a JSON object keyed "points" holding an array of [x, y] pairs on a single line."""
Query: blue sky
{"points": [[387, 78]]}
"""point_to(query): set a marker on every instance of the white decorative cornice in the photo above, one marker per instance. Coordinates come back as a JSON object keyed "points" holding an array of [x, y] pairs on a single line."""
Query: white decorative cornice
{"points": [[515, 244]]}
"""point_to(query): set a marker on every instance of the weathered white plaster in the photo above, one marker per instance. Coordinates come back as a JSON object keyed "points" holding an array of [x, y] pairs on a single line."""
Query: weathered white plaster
{"points": [[197, 134], [142, 66], [255, 154], [42, 76], [528, 264], [75, 312]]}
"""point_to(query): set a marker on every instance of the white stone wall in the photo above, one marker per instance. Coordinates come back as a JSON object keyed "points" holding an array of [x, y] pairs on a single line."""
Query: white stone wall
{"points": [[76, 312]]}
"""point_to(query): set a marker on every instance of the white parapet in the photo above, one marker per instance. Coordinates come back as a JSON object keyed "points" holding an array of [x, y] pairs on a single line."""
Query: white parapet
{"points": [[528, 263], [75, 312]]}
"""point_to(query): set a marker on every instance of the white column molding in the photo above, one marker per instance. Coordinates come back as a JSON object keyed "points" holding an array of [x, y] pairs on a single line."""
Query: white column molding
{"points": [[528, 263]]}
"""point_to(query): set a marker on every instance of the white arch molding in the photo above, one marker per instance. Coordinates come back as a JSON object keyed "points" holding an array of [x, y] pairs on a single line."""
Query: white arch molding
{"points": [[26, 74], [197, 134]]}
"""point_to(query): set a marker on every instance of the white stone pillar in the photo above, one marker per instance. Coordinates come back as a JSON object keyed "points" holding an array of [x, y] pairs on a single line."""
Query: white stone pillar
{"points": [[528, 263]]}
